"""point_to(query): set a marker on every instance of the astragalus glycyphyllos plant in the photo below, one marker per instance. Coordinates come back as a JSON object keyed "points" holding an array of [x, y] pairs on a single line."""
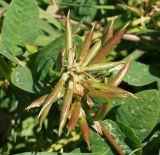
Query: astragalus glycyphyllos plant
{"points": [[82, 78]]}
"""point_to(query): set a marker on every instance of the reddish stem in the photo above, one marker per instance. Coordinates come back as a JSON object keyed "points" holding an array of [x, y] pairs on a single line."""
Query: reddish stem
{"points": [[111, 140]]}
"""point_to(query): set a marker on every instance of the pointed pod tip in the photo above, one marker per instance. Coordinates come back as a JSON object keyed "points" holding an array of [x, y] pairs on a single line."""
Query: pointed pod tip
{"points": [[68, 14], [131, 59], [27, 108], [112, 22], [67, 134], [89, 147], [93, 26], [60, 131], [40, 126], [125, 26], [134, 96]]}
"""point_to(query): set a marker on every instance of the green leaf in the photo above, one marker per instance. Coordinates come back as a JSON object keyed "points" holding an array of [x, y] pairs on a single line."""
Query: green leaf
{"points": [[22, 78], [47, 57], [9, 55], [82, 8], [140, 114], [50, 19], [102, 145], [21, 24], [131, 138], [139, 75], [28, 127]]}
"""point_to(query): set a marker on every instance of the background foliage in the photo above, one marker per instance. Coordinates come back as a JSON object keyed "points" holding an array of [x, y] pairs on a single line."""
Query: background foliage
{"points": [[32, 33]]}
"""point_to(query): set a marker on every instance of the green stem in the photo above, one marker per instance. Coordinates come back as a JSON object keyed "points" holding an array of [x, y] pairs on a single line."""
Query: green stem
{"points": [[106, 7]]}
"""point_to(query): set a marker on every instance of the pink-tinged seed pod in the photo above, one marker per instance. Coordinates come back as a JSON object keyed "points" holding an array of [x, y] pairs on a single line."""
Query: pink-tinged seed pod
{"points": [[38, 102], [108, 46], [109, 33], [65, 107], [86, 44], [52, 97], [107, 95], [85, 129], [107, 88], [74, 116], [120, 75]]}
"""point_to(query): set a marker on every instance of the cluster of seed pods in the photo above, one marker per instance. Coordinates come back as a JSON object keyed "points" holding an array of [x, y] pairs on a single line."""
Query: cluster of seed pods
{"points": [[79, 83]]}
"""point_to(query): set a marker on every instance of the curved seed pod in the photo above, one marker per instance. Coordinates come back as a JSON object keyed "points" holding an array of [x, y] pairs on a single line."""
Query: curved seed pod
{"points": [[74, 116], [91, 53], [108, 46], [101, 113], [37, 103], [111, 140], [106, 95], [109, 33], [86, 44], [52, 98], [68, 32], [120, 75], [65, 107], [101, 66], [85, 129]]}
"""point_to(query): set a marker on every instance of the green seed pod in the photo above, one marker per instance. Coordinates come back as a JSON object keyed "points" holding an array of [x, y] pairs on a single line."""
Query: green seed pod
{"points": [[100, 66], [91, 53], [65, 107], [107, 88]]}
